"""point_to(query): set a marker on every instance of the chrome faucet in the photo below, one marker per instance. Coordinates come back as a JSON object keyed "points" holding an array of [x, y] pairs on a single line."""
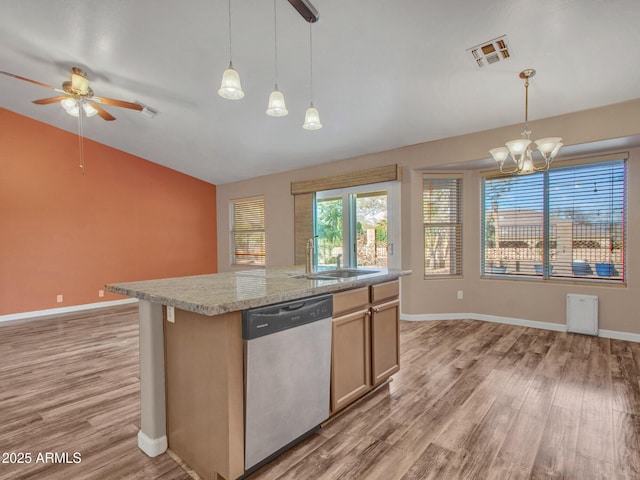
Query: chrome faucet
{"points": [[308, 267], [338, 261]]}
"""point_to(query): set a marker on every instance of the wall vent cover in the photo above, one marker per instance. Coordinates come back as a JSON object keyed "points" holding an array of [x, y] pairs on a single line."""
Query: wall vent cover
{"points": [[493, 51]]}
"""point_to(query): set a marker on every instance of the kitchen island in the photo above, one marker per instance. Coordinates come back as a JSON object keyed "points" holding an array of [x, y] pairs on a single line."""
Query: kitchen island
{"points": [[193, 362]]}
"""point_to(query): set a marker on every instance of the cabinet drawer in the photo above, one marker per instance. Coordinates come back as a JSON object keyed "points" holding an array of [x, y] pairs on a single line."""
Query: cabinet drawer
{"points": [[385, 291], [350, 300]]}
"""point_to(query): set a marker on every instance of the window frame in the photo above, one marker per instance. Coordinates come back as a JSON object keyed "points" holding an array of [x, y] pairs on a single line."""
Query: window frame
{"points": [[234, 232], [550, 231], [457, 224]]}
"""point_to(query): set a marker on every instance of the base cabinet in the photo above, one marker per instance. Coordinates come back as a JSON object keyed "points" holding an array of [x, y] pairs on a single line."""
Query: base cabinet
{"points": [[385, 341], [365, 342], [350, 358]]}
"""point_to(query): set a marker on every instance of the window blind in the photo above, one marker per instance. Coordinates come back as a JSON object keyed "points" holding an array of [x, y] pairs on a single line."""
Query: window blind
{"points": [[442, 220], [587, 216], [568, 222], [248, 232], [512, 219]]}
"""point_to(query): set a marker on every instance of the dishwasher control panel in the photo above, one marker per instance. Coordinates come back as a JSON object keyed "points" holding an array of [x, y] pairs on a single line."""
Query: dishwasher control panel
{"points": [[261, 321]]}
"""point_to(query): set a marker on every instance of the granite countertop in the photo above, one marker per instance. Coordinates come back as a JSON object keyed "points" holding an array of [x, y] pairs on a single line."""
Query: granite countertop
{"points": [[218, 293]]}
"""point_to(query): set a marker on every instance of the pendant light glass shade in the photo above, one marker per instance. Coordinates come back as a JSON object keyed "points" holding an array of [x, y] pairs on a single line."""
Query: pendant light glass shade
{"points": [[311, 116], [276, 107], [312, 119], [230, 87]]}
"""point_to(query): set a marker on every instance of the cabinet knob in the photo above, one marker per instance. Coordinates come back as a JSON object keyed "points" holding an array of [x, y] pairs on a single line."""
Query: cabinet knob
{"points": [[376, 309]]}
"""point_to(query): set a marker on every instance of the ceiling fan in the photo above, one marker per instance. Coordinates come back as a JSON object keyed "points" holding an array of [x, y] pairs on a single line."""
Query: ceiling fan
{"points": [[77, 95]]}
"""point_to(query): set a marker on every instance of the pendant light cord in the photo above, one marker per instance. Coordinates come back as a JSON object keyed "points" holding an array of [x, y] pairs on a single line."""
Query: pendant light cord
{"points": [[230, 55], [275, 39], [311, 62]]}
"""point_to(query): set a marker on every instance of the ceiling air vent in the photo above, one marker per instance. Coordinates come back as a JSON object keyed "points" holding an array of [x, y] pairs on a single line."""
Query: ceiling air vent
{"points": [[490, 52]]}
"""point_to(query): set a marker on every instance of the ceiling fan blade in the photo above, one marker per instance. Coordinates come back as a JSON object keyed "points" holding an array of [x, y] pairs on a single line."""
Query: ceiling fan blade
{"points": [[102, 112], [47, 101], [28, 80], [118, 103]]}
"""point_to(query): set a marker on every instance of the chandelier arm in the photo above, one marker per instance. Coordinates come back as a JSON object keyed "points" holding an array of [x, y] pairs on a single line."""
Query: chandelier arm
{"points": [[545, 167], [508, 172]]}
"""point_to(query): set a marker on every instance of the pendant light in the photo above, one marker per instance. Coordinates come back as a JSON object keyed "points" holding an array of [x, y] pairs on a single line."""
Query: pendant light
{"points": [[276, 107], [520, 150], [311, 117], [230, 87]]}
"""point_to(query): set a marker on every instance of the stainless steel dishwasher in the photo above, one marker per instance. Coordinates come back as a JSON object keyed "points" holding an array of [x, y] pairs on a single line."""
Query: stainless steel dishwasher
{"points": [[287, 353]]}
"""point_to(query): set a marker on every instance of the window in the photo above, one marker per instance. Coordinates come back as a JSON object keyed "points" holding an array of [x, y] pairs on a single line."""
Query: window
{"points": [[568, 222], [358, 225], [442, 220], [247, 231]]}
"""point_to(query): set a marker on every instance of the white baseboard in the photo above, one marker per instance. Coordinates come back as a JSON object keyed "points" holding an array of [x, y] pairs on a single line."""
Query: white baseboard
{"points": [[152, 446], [557, 327], [630, 337], [56, 311]]}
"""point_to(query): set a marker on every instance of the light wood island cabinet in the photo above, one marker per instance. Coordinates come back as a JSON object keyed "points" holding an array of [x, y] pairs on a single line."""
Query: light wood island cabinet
{"points": [[351, 347], [385, 332], [192, 362], [365, 338]]}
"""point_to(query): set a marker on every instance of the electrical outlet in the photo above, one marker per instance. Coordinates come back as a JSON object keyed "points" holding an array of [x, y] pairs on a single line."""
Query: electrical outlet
{"points": [[459, 294], [59, 299], [101, 293], [171, 314]]}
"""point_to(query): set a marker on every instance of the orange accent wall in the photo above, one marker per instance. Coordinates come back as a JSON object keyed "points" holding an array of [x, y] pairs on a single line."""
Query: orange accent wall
{"points": [[65, 233]]}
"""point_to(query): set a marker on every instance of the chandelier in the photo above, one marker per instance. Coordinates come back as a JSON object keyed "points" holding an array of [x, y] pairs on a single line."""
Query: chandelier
{"points": [[520, 150]]}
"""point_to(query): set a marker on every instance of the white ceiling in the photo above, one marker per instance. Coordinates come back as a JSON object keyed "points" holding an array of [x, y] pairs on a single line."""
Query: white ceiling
{"points": [[386, 73]]}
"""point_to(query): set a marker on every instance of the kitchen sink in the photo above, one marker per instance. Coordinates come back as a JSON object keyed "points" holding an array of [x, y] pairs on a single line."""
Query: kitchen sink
{"points": [[334, 274]]}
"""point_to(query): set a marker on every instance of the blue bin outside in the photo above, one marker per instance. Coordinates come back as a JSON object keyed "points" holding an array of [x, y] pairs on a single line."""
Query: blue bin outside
{"points": [[606, 269]]}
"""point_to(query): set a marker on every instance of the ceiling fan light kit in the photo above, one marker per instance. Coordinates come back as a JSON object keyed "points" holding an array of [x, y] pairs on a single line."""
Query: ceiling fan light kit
{"points": [[520, 149]]}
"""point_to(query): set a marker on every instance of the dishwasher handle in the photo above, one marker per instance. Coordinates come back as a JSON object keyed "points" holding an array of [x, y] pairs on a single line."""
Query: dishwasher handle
{"points": [[261, 321], [292, 307]]}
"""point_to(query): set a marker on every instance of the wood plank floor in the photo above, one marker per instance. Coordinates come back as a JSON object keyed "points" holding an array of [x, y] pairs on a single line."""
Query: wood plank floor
{"points": [[473, 400]]}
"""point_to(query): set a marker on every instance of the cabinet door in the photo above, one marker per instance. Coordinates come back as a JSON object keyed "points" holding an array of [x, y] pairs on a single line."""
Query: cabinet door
{"points": [[350, 358], [385, 341]]}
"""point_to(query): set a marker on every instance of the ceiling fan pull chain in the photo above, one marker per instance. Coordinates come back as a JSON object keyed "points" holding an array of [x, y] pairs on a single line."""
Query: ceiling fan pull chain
{"points": [[80, 142]]}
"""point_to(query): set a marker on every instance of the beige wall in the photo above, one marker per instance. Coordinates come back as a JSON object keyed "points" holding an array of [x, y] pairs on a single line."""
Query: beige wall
{"points": [[529, 300]]}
